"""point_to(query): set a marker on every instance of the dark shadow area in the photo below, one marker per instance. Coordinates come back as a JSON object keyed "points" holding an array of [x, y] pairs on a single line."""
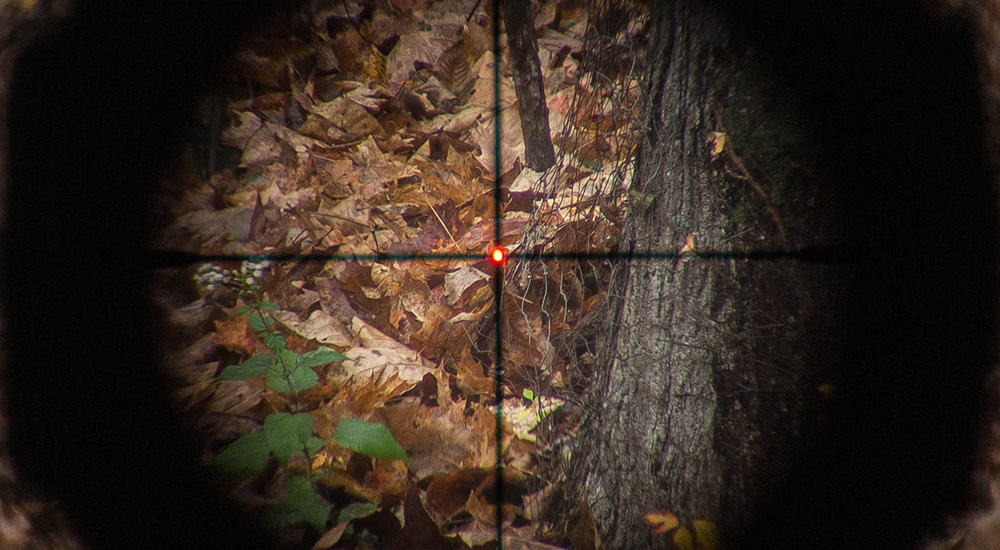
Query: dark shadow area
{"points": [[95, 115], [893, 93]]}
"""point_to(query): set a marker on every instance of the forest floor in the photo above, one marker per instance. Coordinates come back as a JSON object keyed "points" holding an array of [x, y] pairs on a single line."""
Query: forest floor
{"points": [[365, 139]]}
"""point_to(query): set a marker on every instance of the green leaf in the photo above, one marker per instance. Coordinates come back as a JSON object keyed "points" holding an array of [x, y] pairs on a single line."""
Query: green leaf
{"points": [[288, 377], [320, 356], [268, 305], [274, 342], [314, 445], [288, 434], [243, 310], [251, 368], [301, 505], [528, 394], [371, 439], [245, 457], [258, 322], [356, 510]]}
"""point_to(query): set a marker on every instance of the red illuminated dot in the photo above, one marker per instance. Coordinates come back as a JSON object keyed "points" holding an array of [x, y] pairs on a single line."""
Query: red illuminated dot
{"points": [[497, 255]]}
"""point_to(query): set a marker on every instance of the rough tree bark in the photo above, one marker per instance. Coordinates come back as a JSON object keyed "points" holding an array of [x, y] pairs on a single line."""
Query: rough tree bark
{"points": [[686, 414], [691, 409]]}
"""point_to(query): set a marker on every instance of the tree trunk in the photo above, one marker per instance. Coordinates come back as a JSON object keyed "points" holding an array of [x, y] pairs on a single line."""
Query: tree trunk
{"points": [[534, 113], [687, 413]]}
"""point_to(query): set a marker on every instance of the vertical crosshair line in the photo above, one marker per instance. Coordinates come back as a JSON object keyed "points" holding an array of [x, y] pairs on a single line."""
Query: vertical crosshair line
{"points": [[497, 278]]}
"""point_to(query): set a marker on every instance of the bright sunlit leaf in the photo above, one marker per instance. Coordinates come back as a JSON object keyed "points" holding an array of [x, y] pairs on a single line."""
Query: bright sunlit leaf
{"points": [[660, 521], [717, 141]]}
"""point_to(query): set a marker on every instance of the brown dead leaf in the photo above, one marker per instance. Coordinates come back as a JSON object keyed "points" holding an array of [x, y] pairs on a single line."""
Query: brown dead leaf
{"points": [[460, 281], [449, 494], [351, 50], [261, 149], [440, 438], [331, 536], [236, 396], [269, 61], [415, 48], [320, 327], [234, 334], [365, 396], [510, 135], [350, 118], [376, 170], [210, 226], [384, 27], [419, 530], [243, 126], [469, 377]]}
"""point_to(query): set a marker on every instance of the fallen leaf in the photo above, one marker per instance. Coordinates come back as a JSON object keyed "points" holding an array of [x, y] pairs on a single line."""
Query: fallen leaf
{"points": [[331, 537], [717, 142], [688, 251], [459, 281], [660, 521], [320, 326]]}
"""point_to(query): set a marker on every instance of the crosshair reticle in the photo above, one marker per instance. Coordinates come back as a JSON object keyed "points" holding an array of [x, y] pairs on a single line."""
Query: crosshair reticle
{"points": [[498, 256]]}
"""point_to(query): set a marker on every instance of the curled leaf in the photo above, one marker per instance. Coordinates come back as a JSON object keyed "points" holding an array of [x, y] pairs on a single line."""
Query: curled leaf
{"points": [[687, 251], [660, 521]]}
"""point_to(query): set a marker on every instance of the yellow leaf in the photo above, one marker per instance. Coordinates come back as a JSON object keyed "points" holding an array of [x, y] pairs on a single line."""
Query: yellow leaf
{"points": [[704, 534], [660, 521], [717, 141], [683, 539], [321, 459], [687, 251]]}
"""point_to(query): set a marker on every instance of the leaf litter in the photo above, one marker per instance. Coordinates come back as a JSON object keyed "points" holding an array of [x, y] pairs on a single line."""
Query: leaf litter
{"points": [[351, 130]]}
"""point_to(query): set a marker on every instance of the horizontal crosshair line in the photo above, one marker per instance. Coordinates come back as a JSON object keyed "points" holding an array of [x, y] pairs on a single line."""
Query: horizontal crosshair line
{"points": [[811, 254]]}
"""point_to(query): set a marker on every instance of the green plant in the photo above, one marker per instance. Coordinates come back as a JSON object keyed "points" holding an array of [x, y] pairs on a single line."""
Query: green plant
{"points": [[289, 434]]}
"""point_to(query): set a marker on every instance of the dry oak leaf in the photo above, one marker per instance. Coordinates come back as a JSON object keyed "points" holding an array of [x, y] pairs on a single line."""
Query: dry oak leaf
{"points": [[435, 438]]}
